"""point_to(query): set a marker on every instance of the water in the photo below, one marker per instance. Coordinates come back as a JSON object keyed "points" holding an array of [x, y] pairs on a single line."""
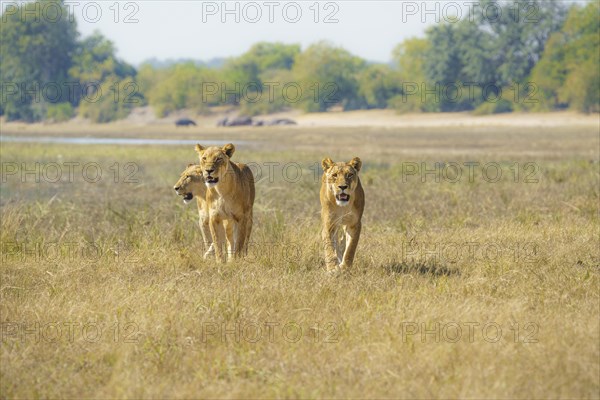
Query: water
{"points": [[115, 141]]}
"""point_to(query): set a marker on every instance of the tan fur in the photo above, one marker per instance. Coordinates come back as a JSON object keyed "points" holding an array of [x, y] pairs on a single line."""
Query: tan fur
{"points": [[191, 185], [230, 199], [336, 214]]}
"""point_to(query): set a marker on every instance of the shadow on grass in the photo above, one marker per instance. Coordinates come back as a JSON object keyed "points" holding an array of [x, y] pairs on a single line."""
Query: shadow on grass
{"points": [[420, 268]]}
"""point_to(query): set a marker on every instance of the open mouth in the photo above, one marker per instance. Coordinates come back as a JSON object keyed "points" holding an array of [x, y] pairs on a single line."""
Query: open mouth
{"points": [[211, 181], [187, 197], [342, 197]]}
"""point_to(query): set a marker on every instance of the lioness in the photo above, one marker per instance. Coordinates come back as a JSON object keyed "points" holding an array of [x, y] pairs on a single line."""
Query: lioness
{"points": [[190, 185], [342, 204], [230, 198]]}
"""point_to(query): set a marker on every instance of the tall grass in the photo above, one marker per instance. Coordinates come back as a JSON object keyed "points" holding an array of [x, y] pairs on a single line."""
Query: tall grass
{"points": [[469, 289]]}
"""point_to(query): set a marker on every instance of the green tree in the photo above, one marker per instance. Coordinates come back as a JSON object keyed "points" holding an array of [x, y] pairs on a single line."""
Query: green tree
{"points": [[109, 81], [248, 69], [271, 98], [183, 86], [378, 83], [110, 100], [268, 56], [148, 78], [410, 57], [445, 64], [517, 36], [36, 52], [60, 112], [567, 74], [491, 52], [327, 75], [95, 60]]}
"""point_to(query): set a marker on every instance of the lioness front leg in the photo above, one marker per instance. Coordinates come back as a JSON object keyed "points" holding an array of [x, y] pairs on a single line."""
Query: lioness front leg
{"points": [[240, 236], [230, 229], [248, 232], [352, 236], [329, 240], [206, 236], [217, 231], [340, 244]]}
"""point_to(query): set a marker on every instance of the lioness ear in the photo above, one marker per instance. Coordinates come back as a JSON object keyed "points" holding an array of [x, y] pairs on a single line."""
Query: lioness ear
{"points": [[326, 163], [355, 163], [199, 148], [189, 165], [229, 149]]}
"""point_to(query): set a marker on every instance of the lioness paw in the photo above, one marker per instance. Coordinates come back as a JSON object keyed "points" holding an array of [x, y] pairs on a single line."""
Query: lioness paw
{"points": [[343, 267], [210, 252]]}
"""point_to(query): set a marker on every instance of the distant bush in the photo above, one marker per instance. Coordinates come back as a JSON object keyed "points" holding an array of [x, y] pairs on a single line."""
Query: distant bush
{"points": [[59, 112], [114, 101], [378, 83], [498, 107], [179, 87], [405, 104], [269, 99]]}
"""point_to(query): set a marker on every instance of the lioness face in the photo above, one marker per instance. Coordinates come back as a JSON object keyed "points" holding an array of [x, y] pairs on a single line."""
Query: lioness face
{"points": [[191, 183], [341, 179], [214, 161]]}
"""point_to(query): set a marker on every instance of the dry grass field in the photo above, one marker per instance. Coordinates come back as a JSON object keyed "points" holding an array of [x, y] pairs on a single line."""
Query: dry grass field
{"points": [[476, 285]]}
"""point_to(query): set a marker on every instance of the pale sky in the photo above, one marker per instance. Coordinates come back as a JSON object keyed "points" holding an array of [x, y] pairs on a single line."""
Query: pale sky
{"points": [[203, 30]]}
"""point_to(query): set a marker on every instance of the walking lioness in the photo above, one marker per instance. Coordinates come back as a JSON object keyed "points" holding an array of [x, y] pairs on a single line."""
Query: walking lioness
{"points": [[230, 197], [189, 186], [342, 205]]}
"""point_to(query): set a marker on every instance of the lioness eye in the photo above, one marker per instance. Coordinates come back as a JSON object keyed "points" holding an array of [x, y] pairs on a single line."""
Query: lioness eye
{"points": [[334, 175], [350, 176], [219, 159], [203, 158]]}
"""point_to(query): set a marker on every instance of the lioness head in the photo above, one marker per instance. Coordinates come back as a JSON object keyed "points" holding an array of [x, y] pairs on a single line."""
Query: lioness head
{"points": [[214, 161], [341, 178], [191, 183]]}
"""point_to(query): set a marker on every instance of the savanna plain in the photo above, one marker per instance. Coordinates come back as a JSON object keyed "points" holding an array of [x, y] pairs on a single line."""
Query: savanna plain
{"points": [[476, 276]]}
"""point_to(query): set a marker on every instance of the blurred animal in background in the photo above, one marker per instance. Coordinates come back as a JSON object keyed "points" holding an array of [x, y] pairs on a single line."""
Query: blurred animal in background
{"points": [[236, 121], [184, 122], [247, 121]]}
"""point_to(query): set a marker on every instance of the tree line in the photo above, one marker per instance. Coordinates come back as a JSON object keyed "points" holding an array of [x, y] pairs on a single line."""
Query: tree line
{"points": [[546, 61]]}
